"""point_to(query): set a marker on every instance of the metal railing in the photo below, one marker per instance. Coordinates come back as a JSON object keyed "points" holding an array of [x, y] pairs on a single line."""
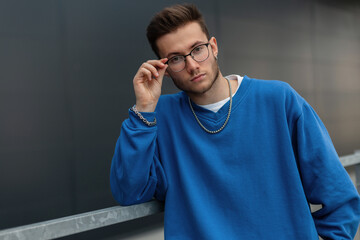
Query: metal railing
{"points": [[78, 223], [70, 225]]}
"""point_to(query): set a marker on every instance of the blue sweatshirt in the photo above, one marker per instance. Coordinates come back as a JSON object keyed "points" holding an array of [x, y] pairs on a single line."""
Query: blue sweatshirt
{"points": [[253, 180]]}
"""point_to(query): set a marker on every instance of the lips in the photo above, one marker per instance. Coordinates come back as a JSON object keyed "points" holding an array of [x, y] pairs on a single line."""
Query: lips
{"points": [[198, 77]]}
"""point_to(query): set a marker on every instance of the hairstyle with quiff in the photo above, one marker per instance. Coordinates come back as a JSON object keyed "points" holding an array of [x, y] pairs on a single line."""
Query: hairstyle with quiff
{"points": [[170, 19]]}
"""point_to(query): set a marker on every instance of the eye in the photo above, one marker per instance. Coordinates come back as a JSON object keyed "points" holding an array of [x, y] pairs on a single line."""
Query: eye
{"points": [[198, 49], [176, 60]]}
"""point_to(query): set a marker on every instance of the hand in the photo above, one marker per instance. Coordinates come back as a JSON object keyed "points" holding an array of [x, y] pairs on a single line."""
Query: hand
{"points": [[147, 84]]}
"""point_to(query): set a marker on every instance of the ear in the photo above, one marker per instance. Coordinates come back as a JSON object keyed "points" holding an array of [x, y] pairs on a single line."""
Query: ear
{"points": [[214, 46]]}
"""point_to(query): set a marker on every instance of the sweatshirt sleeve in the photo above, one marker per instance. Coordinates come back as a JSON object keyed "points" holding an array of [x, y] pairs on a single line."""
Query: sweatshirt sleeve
{"points": [[325, 180], [136, 173]]}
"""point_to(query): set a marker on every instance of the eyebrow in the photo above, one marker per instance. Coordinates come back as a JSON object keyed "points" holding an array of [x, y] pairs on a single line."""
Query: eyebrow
{"points": [[191, 47]]}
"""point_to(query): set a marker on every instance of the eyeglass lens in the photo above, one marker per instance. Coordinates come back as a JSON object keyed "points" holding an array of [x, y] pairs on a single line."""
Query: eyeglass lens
{"points": [[199, 54]]}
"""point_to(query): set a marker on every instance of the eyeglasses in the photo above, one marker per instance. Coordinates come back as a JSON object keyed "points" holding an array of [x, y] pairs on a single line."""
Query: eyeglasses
{"points": [[200, 53]]}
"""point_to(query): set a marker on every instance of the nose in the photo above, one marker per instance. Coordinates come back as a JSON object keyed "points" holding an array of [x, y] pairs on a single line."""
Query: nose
{"points": [[191, 64]]}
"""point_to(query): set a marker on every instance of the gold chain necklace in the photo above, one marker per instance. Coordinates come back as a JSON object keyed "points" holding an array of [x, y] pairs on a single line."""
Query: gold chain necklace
{"points": [[227, 118]]}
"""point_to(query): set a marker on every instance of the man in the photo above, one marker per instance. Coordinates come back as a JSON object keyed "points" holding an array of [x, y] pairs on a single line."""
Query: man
{"points": [[232, 157]]}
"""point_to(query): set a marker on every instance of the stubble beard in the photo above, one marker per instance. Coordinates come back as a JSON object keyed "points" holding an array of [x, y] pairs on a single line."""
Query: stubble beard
{"points": [[190, 91]]}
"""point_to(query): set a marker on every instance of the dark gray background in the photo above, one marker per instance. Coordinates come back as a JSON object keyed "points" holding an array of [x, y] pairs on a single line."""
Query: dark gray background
{"points": [[66, 70]]}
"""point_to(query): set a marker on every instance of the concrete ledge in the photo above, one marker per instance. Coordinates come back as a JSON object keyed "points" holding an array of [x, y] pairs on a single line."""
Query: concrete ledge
{"points": [[81, 222], [350, 160]]}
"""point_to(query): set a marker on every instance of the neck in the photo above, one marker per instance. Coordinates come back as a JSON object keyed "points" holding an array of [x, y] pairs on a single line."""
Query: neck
{"points": [[219, 91]]}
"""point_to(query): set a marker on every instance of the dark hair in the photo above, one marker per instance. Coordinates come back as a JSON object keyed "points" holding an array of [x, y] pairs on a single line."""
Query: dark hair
{"points": [[170, 19]]}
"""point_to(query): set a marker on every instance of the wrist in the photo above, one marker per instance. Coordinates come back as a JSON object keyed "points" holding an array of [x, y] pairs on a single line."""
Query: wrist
{"points": [[145, 107], [143, 118]]}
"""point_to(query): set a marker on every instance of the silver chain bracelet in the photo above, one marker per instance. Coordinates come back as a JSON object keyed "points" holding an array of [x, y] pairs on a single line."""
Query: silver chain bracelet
{"points": [[150, 124]]}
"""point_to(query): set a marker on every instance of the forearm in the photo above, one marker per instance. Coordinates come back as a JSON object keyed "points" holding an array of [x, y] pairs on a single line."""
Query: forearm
{"points": [[325, 180], [339, 216], [133, 178]]}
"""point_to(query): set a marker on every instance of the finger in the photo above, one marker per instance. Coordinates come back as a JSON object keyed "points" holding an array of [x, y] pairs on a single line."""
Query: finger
{"points": [[146, 73], [158, 63], [163, 68], [164, 60], [162, 71], [155, 65], [161, 74], [151, 68]]}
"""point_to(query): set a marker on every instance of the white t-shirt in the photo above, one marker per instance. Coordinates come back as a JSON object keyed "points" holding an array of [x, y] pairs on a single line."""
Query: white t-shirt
{"points": [[216, 106]]}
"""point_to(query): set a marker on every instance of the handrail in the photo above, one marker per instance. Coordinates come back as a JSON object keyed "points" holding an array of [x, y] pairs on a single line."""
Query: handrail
{"points": [[70, 225], [350, 160]]}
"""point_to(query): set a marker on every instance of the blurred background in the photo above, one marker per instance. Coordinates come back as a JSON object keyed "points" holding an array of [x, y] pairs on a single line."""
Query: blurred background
{"points": [[66, 70]]}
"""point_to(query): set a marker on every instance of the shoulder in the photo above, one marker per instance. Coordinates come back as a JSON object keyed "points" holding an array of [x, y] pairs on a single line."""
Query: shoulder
{"points": [[274, 89], [278, 94]]}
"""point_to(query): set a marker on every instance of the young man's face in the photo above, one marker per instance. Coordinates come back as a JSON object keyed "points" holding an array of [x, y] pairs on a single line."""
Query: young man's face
{"points": [[197, 77]]}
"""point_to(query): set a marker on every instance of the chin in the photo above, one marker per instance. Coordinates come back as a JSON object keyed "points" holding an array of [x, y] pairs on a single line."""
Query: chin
{"points": [[200, 87]]}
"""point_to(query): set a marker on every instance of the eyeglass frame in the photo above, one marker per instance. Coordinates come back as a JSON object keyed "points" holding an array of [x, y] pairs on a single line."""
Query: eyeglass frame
{"points": [[190, 54]]}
